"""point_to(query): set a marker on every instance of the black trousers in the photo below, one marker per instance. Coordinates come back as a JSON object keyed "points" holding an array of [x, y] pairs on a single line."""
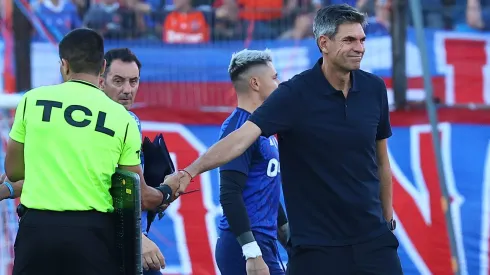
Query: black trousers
{"points": [[65, 243], [376, 257]]}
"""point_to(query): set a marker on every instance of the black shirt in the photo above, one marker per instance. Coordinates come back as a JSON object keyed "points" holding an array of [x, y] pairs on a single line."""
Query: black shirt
{"points": [[327, 147]]}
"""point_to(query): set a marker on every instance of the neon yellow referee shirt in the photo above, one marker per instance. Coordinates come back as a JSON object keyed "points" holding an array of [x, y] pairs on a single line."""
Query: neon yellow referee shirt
{"points": [[74, 138]]}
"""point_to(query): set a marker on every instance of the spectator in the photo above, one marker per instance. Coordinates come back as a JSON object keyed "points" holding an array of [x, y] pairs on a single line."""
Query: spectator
{"points": [[110, 19], [359, 4], [182, 23], [144, 23], [433, 13], [302, 28], [261, 19], [477, 16], [227, 22], [200, 21], [58, 16], [82, 7], [379, 24], [297, 16]]}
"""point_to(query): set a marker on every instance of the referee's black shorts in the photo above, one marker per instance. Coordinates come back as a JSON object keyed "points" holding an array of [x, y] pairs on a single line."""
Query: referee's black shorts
{"points": [[376, 257], [65, 243]]}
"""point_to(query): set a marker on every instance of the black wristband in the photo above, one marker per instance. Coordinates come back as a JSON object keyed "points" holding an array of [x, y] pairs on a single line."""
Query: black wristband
{"points": [[246, 238], [166, 192]]}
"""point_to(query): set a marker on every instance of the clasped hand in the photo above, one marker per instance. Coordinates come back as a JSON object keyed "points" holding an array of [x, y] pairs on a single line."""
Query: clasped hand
{"points": [[178, 182]]}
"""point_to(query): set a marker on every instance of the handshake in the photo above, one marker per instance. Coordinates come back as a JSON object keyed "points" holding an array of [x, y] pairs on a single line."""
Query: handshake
{"points": [[172, 188], [159, 167], [159, 172], [178, 183]]}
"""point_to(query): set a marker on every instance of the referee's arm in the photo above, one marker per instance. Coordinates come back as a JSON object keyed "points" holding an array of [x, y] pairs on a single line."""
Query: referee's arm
{"points": [[151, 198], [9, 189], [14, 159]]}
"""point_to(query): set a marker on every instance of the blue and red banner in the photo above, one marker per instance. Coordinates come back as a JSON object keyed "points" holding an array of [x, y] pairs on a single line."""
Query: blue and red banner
{"points": [[188, 234]]}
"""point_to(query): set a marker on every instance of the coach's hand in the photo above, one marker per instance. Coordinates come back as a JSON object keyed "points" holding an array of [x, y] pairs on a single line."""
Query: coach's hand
{"points": [[152, 257], [185, 180], [257, 266]]}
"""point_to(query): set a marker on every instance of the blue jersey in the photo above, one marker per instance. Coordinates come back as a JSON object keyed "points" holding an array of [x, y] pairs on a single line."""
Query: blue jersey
{"points": [[144, 214], [261, 165]]}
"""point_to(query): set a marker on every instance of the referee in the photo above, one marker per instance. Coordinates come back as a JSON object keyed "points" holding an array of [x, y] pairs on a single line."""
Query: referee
{"points": [[65, 143], [333, 124]]}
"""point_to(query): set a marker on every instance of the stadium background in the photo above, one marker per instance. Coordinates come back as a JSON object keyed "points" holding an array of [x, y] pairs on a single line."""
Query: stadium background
{"points": [[186, 94]]}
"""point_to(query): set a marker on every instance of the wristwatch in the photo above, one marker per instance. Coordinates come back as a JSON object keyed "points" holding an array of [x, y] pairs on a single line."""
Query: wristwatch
{"points": [[392, 224]]}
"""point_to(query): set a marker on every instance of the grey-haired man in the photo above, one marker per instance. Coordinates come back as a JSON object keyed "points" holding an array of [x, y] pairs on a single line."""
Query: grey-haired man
{"points": [[333, 124]]}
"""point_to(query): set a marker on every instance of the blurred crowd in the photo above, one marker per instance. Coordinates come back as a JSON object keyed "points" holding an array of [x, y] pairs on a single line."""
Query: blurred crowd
{"points": [[202, 21]]}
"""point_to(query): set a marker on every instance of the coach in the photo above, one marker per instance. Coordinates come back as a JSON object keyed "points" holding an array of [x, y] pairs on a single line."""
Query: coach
{"points": [[333, 123]]}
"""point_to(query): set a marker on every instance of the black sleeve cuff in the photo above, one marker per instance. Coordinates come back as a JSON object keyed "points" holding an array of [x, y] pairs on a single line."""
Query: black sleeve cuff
{"points": [[231, 199]]}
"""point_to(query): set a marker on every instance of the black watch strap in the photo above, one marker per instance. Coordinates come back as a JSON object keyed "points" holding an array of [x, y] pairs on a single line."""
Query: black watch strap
{"points": [[166, 192]]}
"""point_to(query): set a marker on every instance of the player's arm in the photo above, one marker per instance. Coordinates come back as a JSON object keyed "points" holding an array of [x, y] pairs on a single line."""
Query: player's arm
{"points": [[233, 178], [232, 184], [282, 227], [278, 114], [151, 198], [384, 169], [14, 158]]}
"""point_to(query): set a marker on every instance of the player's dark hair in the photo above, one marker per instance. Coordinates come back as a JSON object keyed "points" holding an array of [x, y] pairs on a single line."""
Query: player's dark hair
{"points": [[244, 60], [84, 51], [329, 18], [123, 54]]}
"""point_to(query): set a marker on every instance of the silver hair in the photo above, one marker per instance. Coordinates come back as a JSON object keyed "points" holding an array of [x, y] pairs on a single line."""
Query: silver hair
{"points": [[328, 19], [244, 59]]}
